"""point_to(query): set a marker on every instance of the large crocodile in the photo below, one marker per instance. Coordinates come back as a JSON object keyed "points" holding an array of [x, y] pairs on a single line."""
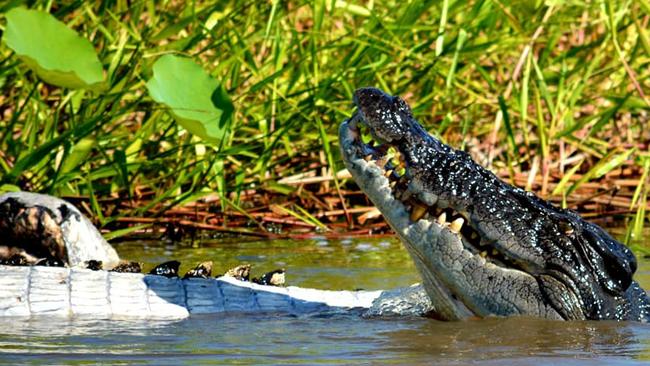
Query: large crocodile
{"points": [[481, 246]]}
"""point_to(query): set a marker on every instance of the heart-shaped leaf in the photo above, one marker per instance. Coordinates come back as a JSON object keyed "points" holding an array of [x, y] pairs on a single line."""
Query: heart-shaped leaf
{"points": [[197, 101], [55, 52]]}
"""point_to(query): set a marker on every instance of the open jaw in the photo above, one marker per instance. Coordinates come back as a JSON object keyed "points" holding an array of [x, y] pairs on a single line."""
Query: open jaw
{"points": [[463, 276], [481, 246]]}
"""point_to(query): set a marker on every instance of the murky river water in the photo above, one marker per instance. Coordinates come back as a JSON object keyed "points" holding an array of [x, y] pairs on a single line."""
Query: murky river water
{"points": [[258, 339]]}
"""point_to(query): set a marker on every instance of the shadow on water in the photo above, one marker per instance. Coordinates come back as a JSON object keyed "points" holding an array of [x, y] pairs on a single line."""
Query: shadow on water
{"points": [[281, 339]]}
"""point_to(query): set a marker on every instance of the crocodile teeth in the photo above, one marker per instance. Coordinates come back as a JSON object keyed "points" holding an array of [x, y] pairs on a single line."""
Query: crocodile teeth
{"points": [[442, 219], [381, 162], [418, 212], [457, 224], [388, 173], [368, 157]]}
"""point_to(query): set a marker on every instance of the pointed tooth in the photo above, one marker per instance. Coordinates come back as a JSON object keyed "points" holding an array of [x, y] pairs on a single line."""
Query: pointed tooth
{"points": [[388, 173], [442, 219], [457, 224], [418, 212], [381, 162], [393, 184], [367, 157]]}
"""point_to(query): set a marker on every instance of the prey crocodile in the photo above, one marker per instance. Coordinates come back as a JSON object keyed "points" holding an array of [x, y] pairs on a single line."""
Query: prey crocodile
{"points": [[54, 262], [481, 246]]}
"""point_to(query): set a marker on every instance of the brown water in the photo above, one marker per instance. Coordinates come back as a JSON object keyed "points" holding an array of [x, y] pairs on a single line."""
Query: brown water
{"points": [[259, 339]]}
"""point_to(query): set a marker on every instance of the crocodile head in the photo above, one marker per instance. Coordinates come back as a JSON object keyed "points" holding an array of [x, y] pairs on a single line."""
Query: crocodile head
{"points": [[482, 247]]}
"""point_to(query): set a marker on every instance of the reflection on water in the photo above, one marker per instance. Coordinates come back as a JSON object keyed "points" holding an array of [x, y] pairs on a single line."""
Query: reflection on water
{"points": [[349, 340], [260, 339], [518, 339]]}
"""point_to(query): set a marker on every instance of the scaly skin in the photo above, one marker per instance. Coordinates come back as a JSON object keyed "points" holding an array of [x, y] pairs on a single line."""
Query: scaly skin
{"points": [[506, 251], [70, 292]]}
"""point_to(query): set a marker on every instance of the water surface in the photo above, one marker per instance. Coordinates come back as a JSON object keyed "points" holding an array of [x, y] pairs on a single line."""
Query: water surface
{"points": [[263, 339]]}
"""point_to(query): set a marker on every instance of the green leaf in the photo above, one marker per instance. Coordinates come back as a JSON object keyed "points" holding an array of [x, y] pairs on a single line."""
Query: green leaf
{"points": [[197, 101], [78, 154], [440, 41], [604, 166], [38, 154], [640, 198], [462, 36], [279, 188], [560, 188], [55, 52], [9, 188], [506, 122]]}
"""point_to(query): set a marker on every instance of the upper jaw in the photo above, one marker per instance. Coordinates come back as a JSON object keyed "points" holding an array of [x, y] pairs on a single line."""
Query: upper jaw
{"points": [[401, 173]]}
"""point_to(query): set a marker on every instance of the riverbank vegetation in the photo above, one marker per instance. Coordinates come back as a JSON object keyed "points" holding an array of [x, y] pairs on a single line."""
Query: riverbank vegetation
{"points": [[552, 96]]}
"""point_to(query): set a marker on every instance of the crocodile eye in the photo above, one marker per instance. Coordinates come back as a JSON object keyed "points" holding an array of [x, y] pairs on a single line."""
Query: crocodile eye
{"points": [[567, 228]]}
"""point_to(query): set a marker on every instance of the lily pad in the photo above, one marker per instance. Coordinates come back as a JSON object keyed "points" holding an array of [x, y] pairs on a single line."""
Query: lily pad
{"points": [[197, 101], [57, 54]]}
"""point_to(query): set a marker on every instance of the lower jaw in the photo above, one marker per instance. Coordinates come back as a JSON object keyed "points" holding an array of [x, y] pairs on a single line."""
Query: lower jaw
{"points": [[446, 306]]}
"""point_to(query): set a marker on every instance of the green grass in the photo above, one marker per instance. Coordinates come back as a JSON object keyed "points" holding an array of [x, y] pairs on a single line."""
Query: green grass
{"points": [[524, 79]]}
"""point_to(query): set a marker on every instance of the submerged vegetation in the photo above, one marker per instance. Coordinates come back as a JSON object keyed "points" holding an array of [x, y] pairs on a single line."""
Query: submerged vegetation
{"points": [[552, 96]]}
